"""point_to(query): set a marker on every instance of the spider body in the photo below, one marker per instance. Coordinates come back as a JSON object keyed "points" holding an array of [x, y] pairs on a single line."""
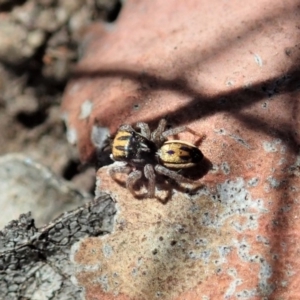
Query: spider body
{"points": [[146, 153]]}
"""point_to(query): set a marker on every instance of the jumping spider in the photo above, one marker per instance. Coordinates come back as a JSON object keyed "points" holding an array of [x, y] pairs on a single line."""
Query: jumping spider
{"points": [[146, 153]]}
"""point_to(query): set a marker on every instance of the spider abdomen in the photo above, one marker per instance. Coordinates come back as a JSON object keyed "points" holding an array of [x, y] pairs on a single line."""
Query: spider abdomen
{"points": [[177, 154]]}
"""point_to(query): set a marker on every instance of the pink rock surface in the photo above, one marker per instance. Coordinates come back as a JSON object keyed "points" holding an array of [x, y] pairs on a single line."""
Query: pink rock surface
{"points": [[228, 70]]}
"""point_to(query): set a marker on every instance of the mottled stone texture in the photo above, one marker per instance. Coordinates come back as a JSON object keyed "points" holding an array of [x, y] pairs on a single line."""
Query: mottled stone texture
{"points": [[230, 70]]}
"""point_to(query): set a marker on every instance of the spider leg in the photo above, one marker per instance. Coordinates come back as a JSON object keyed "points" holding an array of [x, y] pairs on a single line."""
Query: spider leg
{"points": [[172, 174], [180, 129], [156, 135], [145, 130], [119, 169], [126, 127], [133, 177], [150, 175]]}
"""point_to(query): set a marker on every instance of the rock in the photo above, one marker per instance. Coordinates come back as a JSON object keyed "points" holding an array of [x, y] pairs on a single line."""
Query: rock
{"points": [[12, 38], [228, 71], [29, 186]]}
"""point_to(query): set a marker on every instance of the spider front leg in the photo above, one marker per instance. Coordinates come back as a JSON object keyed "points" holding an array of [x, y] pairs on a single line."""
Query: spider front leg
{"points": [[145, 130], [126, 127], [177, 130], [132, 178], [160, 135], [150, 175], [180, 129], [172, 174], [156, 135], [125, 169]]}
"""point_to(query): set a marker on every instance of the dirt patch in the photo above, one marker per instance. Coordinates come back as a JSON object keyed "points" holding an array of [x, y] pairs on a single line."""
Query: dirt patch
{"points": [[39, 46]]}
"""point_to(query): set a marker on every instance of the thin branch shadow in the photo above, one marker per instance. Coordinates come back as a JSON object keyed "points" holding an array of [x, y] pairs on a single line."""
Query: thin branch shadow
{"points": [[233, 102]]}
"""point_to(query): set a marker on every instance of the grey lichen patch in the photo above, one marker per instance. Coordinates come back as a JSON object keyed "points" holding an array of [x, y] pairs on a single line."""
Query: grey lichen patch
{"points": [[230, 82], [263, 240], [103, 280], [233, 285], [274, 183], [294, 169], [72, 135], [99, 136], [272, 146], [214, 168], [71, 131], [233, 136], [220, 131], [258, 59], [225, 168], [244, 251], [172, 246], [224, 250], [283, 149], [237, 201], [239, 140], [136, 106], [247, 294], [86, 109], [107, 250], [253, 182], [265, 287]]}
